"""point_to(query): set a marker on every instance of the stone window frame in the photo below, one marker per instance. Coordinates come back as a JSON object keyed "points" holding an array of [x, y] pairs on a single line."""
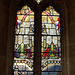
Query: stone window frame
{"points": [[60, 7]]}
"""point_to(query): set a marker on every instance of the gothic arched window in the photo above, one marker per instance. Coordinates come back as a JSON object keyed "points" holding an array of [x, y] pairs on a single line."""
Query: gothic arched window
{"points": [[51, 46], [24, 42], [38, 39]]}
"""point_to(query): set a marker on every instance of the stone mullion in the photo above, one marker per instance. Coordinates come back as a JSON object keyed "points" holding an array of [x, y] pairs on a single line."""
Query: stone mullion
{"points": [[37, 47]]}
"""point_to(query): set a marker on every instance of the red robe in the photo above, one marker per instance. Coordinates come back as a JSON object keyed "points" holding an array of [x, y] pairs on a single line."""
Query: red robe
{"points": [[46, 52], [16, 21], [28, 54], [59, 23]]}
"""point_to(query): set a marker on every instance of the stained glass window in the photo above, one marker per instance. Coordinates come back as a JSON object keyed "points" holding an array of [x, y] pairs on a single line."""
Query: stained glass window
{"points": [[51, 44], [38, 1], [24, 42]]}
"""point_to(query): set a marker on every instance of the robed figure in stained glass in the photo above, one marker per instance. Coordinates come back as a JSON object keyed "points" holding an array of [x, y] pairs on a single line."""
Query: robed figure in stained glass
{"points": [[46, 54], [28, 50]]}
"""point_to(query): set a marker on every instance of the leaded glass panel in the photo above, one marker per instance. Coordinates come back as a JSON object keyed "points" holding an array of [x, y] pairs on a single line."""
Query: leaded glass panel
{"points": [[51, 44], [24, 42]]}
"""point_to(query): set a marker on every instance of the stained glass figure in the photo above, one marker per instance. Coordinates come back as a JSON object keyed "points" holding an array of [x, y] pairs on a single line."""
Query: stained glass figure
{"points": [[51, 45], [38, 1], [24, 42]]}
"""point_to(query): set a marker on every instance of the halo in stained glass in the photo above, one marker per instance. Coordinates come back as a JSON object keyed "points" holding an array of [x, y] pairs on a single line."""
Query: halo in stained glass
{"points": [[51, 44], [24, 42]]}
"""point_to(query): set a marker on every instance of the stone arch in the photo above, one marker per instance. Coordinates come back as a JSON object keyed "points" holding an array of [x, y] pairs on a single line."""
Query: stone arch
{"points": [[61, 8]]}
